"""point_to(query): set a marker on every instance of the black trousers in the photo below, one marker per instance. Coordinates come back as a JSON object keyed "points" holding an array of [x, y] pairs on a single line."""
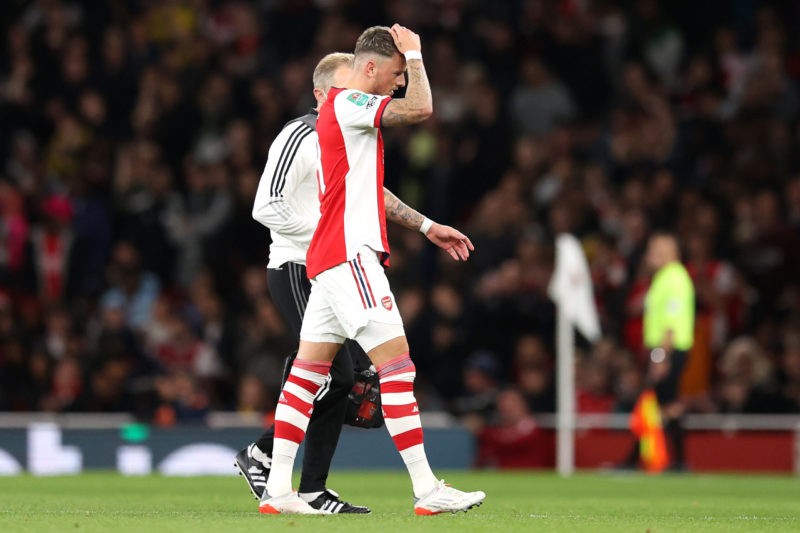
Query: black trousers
{"points": [[290, 289], [667, 390]]}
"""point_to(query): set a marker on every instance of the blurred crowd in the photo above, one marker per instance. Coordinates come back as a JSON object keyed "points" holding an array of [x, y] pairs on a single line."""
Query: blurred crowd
{"points": [[132, 277]]}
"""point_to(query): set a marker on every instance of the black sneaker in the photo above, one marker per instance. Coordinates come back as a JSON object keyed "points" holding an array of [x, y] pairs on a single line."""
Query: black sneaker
{"points": [[253, 471], [329, 501]]}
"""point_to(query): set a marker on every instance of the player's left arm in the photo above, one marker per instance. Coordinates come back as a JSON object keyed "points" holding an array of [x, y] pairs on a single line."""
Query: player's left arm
{"points": [[399, 213], [452, 241]]}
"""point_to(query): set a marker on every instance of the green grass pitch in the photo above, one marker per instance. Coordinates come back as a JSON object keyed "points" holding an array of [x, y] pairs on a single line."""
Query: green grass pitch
{"points": [[530, 502]]}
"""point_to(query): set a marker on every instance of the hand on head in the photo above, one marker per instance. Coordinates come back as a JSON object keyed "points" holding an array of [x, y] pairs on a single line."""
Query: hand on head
{"points": [[405, 39]]}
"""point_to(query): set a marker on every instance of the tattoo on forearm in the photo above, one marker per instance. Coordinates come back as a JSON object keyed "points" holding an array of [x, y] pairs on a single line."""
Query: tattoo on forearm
{"points": [[419, 92], [400, 213], [418, 96]]}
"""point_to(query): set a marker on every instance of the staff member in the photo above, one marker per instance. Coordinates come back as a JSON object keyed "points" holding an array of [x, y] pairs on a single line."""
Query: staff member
{"points": [[669, 312]]}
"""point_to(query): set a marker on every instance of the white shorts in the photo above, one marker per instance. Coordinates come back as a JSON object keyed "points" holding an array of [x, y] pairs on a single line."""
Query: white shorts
{"points": [[352, 301]]}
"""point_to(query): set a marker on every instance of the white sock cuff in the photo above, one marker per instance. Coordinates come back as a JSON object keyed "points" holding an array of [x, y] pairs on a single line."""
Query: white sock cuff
{"points": [[414, 454], [309, 497], [259, 455], [313, 377], [284, 447]]}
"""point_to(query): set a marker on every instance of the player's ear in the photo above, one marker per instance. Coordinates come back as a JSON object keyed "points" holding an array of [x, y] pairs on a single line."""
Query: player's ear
{"points": [[370, 68], [320, 95]]}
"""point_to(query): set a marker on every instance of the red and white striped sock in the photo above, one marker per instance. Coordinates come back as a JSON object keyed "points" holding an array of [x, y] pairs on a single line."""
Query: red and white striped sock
{"points": [[401, 414], [292, 414]]}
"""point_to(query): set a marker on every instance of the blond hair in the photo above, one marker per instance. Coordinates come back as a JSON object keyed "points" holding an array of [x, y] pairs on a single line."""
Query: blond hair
{"points": [[327, 67]]}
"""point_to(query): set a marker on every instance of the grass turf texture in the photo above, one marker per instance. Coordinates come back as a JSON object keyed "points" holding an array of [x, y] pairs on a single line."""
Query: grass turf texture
{"points": [[515, 502]]}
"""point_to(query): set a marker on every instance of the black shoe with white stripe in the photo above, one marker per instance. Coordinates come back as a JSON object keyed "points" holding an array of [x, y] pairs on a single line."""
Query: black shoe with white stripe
{"points": [[329, 501], [253, 471]]}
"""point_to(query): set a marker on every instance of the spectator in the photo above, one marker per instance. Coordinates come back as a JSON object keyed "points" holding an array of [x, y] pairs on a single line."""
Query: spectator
{"points": [[14, 231], [182, 351], [481, 380], [181, 400], [540, 103], [252, 396], [67, 388], [130, 287], [52, 251], [514, 441], [748, 380]]}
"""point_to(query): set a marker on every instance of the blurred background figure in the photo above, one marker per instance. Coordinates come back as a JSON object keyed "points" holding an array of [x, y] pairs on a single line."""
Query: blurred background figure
{"points": [[512, 438], [481, 384], [669, 316]]}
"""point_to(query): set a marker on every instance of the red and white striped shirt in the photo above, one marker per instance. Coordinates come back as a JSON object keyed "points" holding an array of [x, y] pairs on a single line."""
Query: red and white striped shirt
{"points": [[350, 180]]}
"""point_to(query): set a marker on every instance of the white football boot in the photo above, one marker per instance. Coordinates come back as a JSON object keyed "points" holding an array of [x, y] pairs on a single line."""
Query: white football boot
{"points": [[289, 503], [445, 498]]}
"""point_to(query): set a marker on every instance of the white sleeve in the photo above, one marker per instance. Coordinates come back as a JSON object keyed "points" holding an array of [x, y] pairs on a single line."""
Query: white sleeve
{"points": [[292, 158], [359, 110]]}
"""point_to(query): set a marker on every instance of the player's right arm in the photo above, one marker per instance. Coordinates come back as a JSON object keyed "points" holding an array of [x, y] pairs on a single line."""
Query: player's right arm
{"points": [[417, 105], [292, 158]]}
